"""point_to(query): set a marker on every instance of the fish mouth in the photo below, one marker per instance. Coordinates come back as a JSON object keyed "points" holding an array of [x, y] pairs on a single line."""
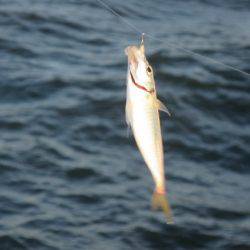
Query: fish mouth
{"points": [[132, 53], [136, 53]]}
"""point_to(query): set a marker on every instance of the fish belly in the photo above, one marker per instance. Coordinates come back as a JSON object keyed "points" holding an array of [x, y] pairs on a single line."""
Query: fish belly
{"points": [[147, 133]]}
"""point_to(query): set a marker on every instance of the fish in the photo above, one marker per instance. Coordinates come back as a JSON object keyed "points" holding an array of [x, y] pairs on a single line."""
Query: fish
{"points": [[142, 116]]}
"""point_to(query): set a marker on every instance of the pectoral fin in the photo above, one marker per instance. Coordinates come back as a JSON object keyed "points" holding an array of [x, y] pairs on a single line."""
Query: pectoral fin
{"points": [[162, 107], [128, 113], [128, 117]]}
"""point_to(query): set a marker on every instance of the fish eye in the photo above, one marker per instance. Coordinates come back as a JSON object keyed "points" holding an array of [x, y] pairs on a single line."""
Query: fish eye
{"points": [[149, 69]]}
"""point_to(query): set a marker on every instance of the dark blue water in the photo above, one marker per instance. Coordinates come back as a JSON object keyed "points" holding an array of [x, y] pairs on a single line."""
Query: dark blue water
{"points": [[69, 176]]}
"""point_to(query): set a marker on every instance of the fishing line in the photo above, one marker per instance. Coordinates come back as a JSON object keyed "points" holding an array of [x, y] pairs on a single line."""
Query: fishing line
{"points": [[187, 51], [124, 20]]}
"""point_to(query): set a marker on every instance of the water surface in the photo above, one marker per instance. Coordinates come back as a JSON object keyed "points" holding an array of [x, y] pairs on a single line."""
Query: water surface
{"points": [[69, 176]]}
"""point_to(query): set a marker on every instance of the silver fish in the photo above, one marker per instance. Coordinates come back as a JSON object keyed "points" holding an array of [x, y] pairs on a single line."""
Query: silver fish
{"points": [[142, 115]]}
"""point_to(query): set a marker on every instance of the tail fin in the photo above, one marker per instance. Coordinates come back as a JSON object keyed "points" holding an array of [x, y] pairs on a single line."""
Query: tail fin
{"points": [[159, 200]]}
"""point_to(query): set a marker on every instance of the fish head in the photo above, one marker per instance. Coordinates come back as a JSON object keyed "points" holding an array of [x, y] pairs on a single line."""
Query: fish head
{"points": [[139, 68]]}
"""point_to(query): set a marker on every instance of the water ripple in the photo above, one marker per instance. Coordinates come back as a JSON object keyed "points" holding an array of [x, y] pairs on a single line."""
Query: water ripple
{"points": [[70, 176]]}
